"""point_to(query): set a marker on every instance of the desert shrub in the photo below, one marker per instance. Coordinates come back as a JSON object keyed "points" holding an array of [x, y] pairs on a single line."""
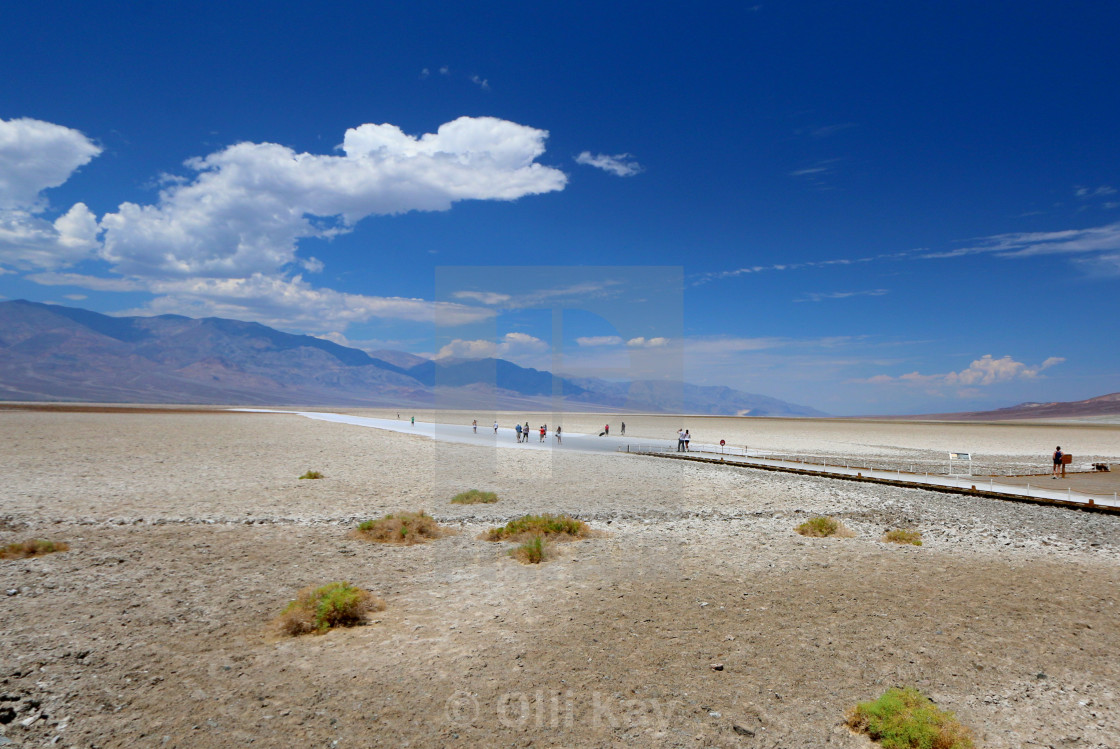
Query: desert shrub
{"points": [[823, 527], [401, 528], [560, 526], [901, 536], [34, 547], [333, 605], [474, 497], [530, 552], [312, 475], [907, 719]]}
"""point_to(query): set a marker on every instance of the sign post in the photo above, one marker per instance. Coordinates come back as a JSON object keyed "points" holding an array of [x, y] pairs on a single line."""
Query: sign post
{"points": [[956, 459]]}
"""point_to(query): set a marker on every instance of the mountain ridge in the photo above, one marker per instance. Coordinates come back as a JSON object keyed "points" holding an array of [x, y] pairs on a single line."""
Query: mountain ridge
{"points": [[57, 353]]}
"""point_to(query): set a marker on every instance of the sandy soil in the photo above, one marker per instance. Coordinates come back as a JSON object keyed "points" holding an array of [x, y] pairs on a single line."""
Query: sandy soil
{"points": [[189, 532]]}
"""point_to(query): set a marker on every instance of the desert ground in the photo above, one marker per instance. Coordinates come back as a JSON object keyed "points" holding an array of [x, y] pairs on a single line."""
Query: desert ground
{"points": [[189, 532]]}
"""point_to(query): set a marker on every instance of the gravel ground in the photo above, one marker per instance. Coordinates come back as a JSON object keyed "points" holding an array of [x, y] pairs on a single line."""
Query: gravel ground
{"points": [[189, 532]]}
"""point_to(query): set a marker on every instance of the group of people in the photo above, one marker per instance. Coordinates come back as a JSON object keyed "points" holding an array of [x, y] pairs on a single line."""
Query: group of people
{"points": [[524, 431], [682, 440]]}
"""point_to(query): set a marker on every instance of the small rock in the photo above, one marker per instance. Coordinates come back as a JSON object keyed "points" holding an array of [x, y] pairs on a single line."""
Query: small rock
{"points": [[717, 666], [742, 730], [12, 591], [714, 713]]}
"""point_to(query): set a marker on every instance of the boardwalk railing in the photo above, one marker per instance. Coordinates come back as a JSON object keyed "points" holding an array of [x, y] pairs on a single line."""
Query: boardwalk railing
{"points": [[798, 464]]}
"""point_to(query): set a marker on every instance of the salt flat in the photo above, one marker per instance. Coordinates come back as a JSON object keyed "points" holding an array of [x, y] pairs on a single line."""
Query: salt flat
{"points": [[188, 532]]}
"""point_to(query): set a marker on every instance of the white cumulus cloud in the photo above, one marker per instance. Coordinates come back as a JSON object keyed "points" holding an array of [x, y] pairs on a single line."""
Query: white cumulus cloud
{"points": [[36, 156], [224, 240], [28, 241], [511, 345], [251, 203], [986, 370], [641, 342]]}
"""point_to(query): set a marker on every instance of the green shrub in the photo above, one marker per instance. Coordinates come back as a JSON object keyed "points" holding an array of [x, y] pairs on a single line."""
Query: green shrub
{"points": [[312, 475], [530, 552], [561, 526], [822, 527], [402, 528], [900, 536], [474, 497], [907, 719], [333, 605], [34, 547]]}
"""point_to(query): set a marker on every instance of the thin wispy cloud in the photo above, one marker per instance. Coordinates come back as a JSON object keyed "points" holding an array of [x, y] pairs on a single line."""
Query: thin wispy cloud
{"points": [[94, 283], [620, 165], [824, 296], [600, 340], [482, 83], [816, 173], [540, 297], [809, 171], [1088, 193], [482, 297], [1099, 245], [776, 267], [827, 130], [1026, 244]]}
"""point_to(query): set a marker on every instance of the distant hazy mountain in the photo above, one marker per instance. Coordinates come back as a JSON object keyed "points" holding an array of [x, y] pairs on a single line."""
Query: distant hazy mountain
{"points": [[54, 353], [680, 397], [1103, 405]]}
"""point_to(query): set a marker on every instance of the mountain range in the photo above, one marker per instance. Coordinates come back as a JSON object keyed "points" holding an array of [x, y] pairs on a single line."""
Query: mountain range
{"points": [[50, 352], [1102, 405]]}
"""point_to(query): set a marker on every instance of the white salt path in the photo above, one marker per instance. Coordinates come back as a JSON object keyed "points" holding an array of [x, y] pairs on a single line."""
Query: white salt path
{"points": [[506, 438], [463, 433]]}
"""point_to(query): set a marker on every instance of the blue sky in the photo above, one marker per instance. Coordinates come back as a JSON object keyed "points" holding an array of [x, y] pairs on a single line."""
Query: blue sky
{"points": [[865, 207]]}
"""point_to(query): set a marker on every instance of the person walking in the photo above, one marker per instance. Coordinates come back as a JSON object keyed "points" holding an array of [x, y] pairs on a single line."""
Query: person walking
{"points": [[559, 441], [687, 437], [680, 440], [495, 427], [413, 421], [525, 433], [475, 425], [1058, 464], [519, 432], [607, 430], [544, 431], [622, 430]]}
